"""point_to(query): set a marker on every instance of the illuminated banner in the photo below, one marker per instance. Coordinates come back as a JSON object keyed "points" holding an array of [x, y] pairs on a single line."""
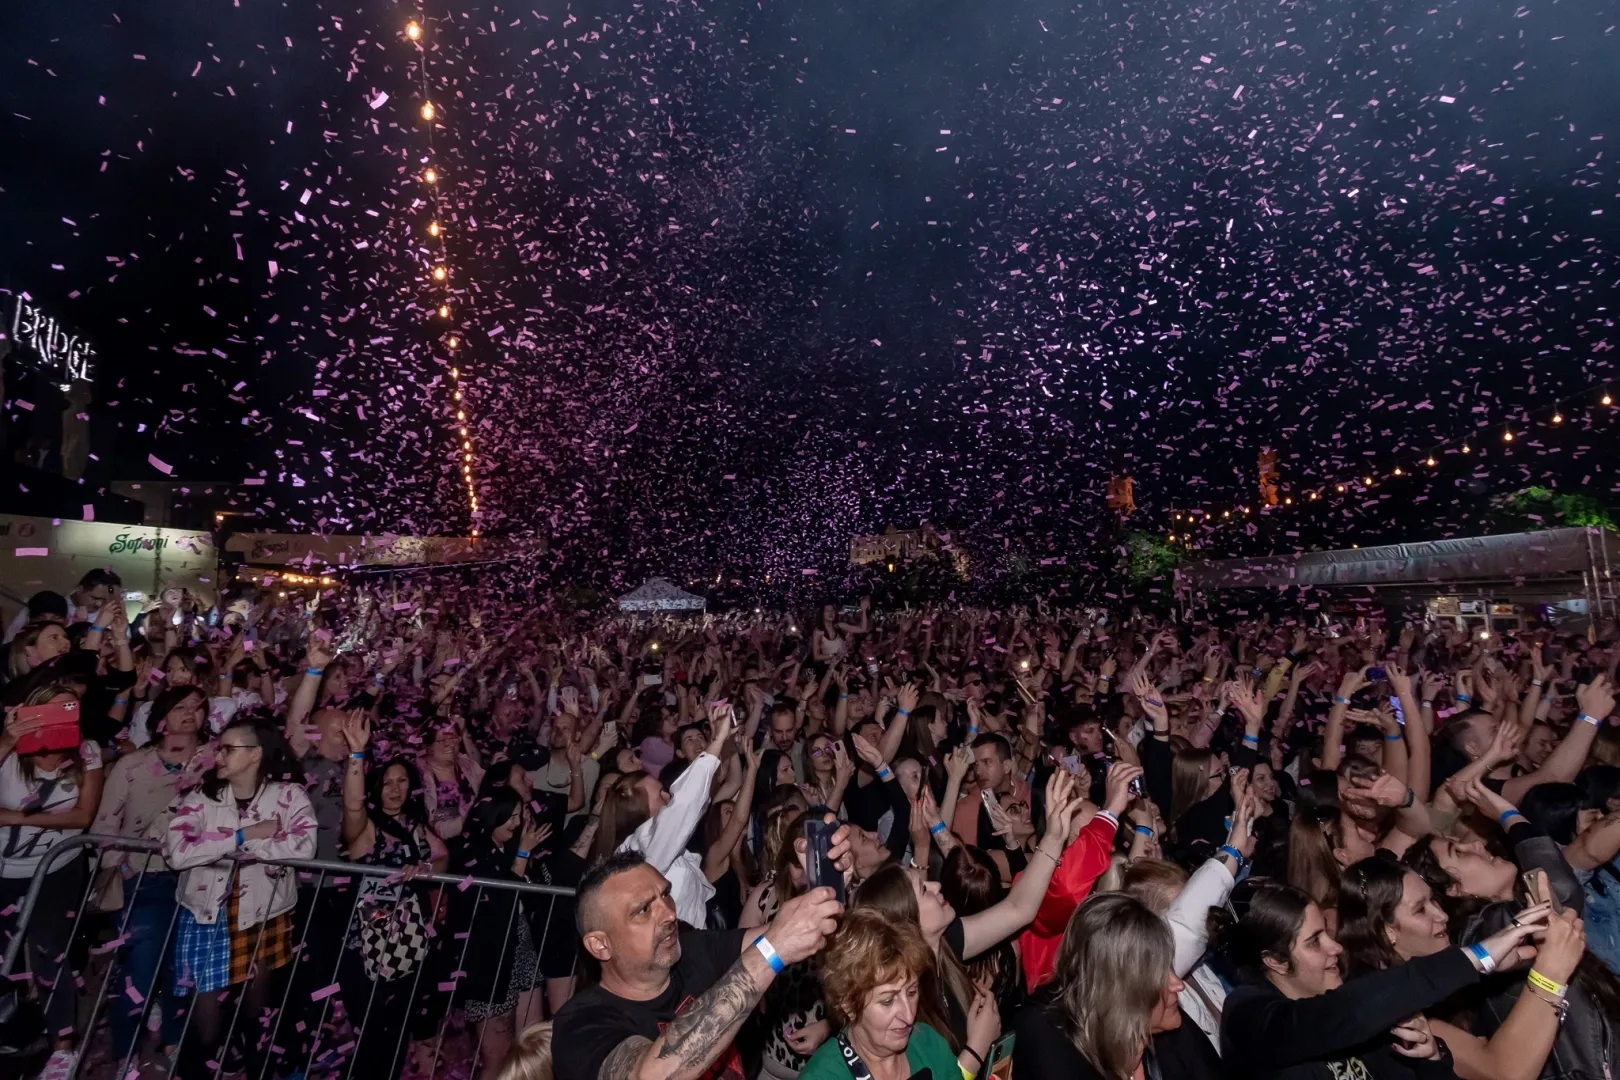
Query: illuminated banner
{"points": [[310, 552], [41, 553], [61, 354]]}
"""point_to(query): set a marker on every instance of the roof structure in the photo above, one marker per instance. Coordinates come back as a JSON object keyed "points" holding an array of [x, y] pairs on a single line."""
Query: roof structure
{"points": [[657, 594]]}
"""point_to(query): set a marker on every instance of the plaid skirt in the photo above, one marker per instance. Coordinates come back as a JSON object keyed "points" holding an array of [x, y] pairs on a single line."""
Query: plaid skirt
{"points": [[212, 956]]}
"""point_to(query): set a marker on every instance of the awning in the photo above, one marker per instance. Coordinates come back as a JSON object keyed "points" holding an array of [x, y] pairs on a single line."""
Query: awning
{"points": [[1535, 556], [660, 595]]}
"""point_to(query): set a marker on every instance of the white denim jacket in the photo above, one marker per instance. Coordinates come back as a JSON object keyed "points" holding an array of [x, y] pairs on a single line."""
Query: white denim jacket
{"points": [[203, 832]]}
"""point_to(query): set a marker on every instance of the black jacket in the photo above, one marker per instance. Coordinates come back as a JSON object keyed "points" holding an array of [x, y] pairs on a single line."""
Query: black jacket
{"points": [[1265, 1034]]}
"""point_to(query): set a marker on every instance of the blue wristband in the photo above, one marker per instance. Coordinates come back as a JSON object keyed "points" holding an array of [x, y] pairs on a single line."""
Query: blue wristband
{"points": [[884, 773], [1228, 849], [315, 671], [902, 712], [358, 755], [1588, 718], [522, 854], [1511, 811], [238, 837], [1396, 737], [1251, 740], [1480, 953], [1337, 700], [1464, 699], [937, 827], [1145, 831], [973, 729], [769, 954]]}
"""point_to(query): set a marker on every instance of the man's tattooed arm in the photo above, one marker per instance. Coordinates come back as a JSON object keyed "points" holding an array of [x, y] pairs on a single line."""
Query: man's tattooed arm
{"points": [[697, 1037]]}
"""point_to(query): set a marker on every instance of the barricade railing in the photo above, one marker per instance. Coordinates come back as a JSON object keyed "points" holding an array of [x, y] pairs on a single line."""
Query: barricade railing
{"points": [[298, 1039]]}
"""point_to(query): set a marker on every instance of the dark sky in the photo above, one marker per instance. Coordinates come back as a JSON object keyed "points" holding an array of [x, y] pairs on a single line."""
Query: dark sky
{"points": [[735, 280]]}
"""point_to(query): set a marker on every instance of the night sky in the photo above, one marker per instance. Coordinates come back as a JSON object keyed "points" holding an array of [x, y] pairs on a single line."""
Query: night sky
{"points": [[733, 281]]}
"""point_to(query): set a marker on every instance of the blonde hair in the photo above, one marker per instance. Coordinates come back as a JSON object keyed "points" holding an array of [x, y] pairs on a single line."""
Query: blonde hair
{"points": [[530, 1056], [1111, 970], [1155, 882], [869, 949]]}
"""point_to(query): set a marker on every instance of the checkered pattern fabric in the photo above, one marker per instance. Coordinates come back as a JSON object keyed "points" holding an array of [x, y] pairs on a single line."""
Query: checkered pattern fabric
{"points": [[212, 956], [393, 938], [264, 947]]}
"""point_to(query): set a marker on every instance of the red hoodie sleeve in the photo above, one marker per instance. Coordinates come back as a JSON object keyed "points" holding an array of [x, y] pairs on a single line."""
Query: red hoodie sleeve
{"points": [[1083, 863]]}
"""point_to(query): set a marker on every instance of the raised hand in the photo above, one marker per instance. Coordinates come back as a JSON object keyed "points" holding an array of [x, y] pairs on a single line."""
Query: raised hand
{"points": [[868, 753], [356, 730], [1596, 698]]}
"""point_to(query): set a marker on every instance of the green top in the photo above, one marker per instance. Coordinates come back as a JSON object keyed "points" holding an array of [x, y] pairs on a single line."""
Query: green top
{"points": [[927, 1049]]}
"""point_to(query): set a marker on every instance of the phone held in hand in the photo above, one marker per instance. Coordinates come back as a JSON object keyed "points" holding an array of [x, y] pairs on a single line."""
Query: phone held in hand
{"points": [[58, 727], [1535, 891], [1376, 674], [819, 869]]}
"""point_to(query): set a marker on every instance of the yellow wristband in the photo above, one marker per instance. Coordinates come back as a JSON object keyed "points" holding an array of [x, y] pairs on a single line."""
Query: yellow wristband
{"points": [[1541, 982], [967, 1073]]}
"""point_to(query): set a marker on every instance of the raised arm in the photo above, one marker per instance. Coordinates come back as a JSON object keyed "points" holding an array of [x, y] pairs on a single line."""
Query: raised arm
{"points": [[316, 657], [1333, 733], [356, 822], [1596, 702], [719, 853]]}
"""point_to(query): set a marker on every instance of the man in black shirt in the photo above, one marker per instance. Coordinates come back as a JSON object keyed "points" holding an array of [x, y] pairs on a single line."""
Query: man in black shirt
{"points": [[670, 1002]]}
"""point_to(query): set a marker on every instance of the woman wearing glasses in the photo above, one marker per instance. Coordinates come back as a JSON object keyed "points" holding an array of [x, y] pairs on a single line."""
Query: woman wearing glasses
{"points": [[235, 923]]}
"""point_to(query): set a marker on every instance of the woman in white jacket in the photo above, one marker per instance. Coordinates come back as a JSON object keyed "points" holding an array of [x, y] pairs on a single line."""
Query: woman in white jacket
{"points": [[235, 921], [639, 815]]}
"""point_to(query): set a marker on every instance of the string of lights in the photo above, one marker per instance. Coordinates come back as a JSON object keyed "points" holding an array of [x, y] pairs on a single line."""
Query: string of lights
{"points": [[1188, 526], [416, 32]]}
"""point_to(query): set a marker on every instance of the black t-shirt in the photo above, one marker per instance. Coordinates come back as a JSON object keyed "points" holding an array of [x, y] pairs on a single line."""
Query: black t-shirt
{"points": [[595, 1021]]}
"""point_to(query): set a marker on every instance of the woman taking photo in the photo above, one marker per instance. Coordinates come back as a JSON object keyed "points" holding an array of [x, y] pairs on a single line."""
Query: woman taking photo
{"points": [[235, 923], [872, 973], [1388, 917], [385, 824], [46, 796], [1295, 1016], [1114, 990]]}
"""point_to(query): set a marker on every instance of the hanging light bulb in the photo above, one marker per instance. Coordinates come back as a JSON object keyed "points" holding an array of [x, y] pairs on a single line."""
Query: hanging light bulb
{"points": [[427, 110], [1607, 400], [413, 30], [1467, 449], [444, 311], [1558, 418], [1339, 488], [440, 273], [1226, 513], [433, 228], [431, 175], [454, 343], [1315, 496], [1288, 501], [455, 373], [1429, 462], [1507, 436]]}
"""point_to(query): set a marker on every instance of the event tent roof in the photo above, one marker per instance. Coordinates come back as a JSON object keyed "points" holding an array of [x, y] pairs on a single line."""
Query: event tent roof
{"points": [[1548, 555], [660, 595]]}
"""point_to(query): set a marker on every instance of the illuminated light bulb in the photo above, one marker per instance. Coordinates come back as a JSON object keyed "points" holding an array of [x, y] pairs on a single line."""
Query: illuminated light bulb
{"points": [[460, 415], [427, 110], [455, 373], [475, 532], [1226, 513], [1507, 436], [465, 445], [440, 273], [458, 395], [1367, 481], [1558, 418], [454, 342], [1171, 538], [431, 175], [444, 311], [1288, 501], [413, 30], [1607, 400], [1466, 449], [1429, 462], [433, 228], [1397, 470], [1339, 488]]}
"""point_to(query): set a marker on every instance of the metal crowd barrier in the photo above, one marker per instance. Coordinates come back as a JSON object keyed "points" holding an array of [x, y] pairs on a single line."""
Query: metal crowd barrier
{"points": [[321, 874]]}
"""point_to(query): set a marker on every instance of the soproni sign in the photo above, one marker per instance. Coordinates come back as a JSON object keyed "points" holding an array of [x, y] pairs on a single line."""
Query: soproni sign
{"points": [[62, 353]]}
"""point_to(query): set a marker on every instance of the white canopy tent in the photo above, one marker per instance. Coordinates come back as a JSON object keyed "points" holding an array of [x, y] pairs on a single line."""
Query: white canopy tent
{"points": [[659, 595]]}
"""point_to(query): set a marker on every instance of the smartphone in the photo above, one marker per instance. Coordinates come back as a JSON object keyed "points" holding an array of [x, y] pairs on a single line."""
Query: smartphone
{"points": [[1023, 691], [652, 680], [1400, 714], [1533, 888], [819, 869], [1000, 1059], [58, 727], [1375, 674]]}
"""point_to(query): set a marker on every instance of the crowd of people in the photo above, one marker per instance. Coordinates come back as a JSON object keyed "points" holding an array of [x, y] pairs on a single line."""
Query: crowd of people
{"points": [[422, 826]]}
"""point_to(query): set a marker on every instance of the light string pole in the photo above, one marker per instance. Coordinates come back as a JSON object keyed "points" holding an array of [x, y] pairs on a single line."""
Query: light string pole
{"points": [[431, 178]]}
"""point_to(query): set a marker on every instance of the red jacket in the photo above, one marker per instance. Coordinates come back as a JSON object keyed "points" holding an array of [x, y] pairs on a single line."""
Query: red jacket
{"points": [[1084, 862]]}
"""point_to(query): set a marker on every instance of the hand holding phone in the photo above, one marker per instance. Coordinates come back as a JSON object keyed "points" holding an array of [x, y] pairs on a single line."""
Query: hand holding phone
{"points": [[53, 726], [819, 869]]}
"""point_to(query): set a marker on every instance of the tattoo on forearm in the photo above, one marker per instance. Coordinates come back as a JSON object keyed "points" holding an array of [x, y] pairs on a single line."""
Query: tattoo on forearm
{"points": [[621, 1061], [702, 1032]]}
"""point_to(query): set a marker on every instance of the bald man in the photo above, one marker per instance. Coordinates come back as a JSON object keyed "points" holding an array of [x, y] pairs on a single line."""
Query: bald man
{"points": [[670, 1000]]}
